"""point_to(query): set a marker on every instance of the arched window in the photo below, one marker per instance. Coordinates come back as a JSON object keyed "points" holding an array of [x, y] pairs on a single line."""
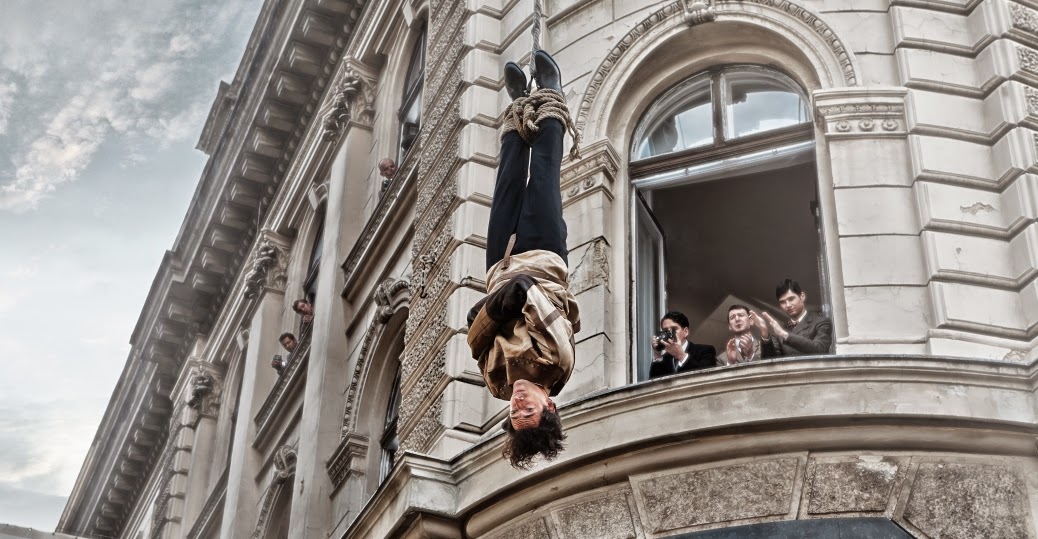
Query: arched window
{"points": [[410, 116], [725, 202], [390, 442]]}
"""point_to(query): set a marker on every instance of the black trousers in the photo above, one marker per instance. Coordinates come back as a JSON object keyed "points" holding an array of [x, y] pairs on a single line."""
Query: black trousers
{"points": [[531, 210]]}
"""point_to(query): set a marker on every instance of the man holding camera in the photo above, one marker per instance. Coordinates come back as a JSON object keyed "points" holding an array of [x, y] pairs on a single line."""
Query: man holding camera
{"points": [[674, 353]]}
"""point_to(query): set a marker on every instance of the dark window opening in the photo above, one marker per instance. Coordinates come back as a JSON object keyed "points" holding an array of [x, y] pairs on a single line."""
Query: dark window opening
{"points": [[410, 115]]}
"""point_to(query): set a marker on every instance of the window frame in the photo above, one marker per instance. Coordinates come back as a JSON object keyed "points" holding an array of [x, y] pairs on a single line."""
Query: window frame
{"points": [[412, 93], [722, 147], [796, 141]]}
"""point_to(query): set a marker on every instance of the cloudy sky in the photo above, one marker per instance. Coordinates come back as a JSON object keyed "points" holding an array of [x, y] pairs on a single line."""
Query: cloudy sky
{"points": [[101, 105]]}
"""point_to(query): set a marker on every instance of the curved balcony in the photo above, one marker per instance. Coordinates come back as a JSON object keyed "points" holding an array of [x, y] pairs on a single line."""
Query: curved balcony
{"points": [[941, 447]]}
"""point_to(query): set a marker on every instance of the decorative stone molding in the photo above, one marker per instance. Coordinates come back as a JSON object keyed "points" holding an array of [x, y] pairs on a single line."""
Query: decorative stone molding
{"points": [[700, 12], [284, 468], [209, 510], [391, 296], [873, 113], [318, 195], [169, 503], [348, 460], [353, 100], [269, 265], [594, 172]]}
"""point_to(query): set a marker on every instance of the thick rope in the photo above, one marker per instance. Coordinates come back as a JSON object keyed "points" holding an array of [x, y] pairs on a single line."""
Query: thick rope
{"points": [[526, 113], [535, 30]]}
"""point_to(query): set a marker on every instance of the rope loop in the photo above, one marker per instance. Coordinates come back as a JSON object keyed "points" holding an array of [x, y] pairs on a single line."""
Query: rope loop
{"points": [[525, 114]]}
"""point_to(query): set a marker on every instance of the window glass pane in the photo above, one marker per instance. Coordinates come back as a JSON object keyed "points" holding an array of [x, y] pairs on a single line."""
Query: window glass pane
{"points": [[756, 101], [680, 120]]}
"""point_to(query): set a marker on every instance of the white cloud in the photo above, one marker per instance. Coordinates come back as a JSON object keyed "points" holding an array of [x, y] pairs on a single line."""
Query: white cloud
{"points": [[7, 93], [132, 80]]}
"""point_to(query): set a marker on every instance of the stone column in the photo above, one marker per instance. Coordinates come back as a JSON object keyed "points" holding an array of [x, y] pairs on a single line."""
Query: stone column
{"points": [[267, 286], [320, 428], [203, 397]]}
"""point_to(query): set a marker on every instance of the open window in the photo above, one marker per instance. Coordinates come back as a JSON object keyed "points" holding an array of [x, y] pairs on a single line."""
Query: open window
{"points": [[725, 202], [410, 115]]}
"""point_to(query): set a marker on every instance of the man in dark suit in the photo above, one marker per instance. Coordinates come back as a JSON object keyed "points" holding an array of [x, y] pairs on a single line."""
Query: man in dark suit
{"points": [[805, 333], [679, 354]]}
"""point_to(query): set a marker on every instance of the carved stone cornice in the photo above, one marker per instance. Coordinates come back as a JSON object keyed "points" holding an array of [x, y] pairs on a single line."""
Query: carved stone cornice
{"points": [[595, 171], [353, 101], [872, 113], [348, 460], [284, 468], [269, 265]]}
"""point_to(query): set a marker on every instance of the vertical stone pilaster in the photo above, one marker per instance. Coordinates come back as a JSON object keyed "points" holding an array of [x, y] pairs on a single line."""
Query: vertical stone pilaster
{"points": [[240, 506], [323, 401]]}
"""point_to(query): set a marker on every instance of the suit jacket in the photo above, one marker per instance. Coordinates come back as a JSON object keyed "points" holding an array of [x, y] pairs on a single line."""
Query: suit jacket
{"points": [[722, 360], [700, 356], [813, 335]]}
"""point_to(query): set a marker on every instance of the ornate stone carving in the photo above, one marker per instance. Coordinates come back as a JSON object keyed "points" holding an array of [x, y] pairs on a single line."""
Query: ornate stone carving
{"points": [[698, 12], [348, 459], [269, 268], [390, 296], [1028, 59], [353, 100], [968, 500], [1024, 18], [284, 468], [707, 13], [204, 396], [856, 113]]}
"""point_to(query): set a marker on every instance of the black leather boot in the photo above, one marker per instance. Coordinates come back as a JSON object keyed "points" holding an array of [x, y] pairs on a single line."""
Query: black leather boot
{"points": [[515, 80], [548, 74]]}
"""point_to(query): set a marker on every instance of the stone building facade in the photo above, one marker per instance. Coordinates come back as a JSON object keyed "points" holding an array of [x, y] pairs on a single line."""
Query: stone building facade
{"points": [[891, 167]]}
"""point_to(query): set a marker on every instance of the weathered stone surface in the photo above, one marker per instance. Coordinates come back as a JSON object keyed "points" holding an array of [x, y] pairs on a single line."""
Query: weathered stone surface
{"points": [[605, 517], [953, 501], [722, 494], [528, 529], [860, 484]]}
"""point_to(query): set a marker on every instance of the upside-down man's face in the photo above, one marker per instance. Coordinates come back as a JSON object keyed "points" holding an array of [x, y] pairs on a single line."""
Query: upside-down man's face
{"points": [[527, 404]]}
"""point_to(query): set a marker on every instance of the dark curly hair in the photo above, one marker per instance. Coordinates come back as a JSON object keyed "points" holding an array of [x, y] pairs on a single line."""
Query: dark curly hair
{"points": [[522, 445]]}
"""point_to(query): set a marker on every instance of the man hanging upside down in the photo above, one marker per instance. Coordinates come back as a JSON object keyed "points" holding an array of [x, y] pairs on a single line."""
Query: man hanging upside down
{"points": [[521, 334]]}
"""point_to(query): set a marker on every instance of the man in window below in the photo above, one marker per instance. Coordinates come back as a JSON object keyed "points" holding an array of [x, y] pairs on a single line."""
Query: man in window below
{"points": [[304, 309], [386, 169], [288, 341], [805, 333], [743, 346], [674, 353]]}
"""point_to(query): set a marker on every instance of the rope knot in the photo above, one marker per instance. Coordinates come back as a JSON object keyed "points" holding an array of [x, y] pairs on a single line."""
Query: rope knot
{"points": [[525, 114]]}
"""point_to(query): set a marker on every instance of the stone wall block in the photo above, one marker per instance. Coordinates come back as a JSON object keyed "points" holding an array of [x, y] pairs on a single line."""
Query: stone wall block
{"points": [[882, 260], [861, 484], [959, 208], [956, 500], [572, 21], [980, 308], [980, 260], [855, 165], [608, 515], [481, 105], [733, 493], [865, 32], [484, 32], [974, 119], [886, 313], [596, 367], [476, 182], [961, 348], [588, 217], [880, 210], [479, 143], [483, 68], [589, 265], [469, 407], [460, 364], [470, 223], [963, 75]]}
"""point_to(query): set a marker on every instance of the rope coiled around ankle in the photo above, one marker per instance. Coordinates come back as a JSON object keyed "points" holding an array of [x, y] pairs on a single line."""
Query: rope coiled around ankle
{"points": [[525, 114]]}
